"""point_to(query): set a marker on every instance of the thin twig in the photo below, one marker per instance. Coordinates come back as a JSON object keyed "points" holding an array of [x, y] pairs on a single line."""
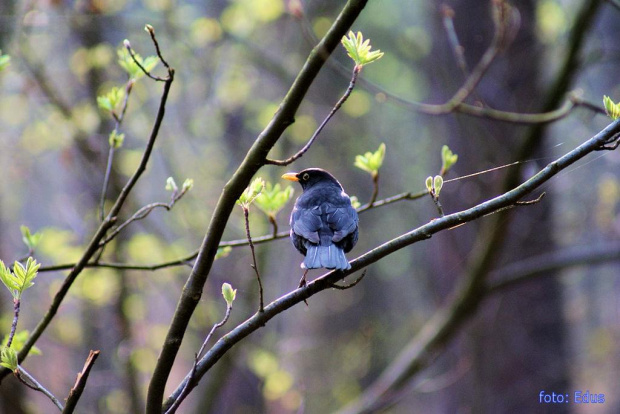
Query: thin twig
{"points": [[192, 372], [252, 162], [352, 284], [106, 181], [142, 68], [274, 225], [80, 383], [151, 31], [342, 100], [447, 13], [422, 233], [143, 213], [375, 189], [435, 199], [392, 199], [573, 101], [186, 261], [530, 202], [32, 383], [16, 305], [118, 119], [93, 246], [254, 265]]}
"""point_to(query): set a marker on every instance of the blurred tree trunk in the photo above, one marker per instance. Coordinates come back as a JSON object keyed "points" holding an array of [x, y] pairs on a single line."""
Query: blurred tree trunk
{"points": [[529, 320]]}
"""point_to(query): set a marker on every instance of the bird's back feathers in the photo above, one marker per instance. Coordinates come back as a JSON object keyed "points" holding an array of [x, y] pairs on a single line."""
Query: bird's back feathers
{"points": [[324, 225]]}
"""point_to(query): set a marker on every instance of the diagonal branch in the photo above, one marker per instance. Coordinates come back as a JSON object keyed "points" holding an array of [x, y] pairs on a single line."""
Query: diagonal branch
{"points": [[108, 222], [80, 383], [436, 331], [255, 159], [341, 101]]}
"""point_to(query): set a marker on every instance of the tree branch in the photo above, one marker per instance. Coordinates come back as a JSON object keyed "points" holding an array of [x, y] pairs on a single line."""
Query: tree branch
{"points": [[254, 159], [341, 101], [529, 269], [442, 326], [80, 383], [437, 330], [107, 223]]}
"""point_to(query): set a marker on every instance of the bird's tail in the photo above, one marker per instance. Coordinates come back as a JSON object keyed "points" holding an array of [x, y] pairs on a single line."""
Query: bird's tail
{"points": [[329, 257]]}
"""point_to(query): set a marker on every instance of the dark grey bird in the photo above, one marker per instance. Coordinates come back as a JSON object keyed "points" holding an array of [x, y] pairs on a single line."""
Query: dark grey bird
{"points": [[324, 224]]}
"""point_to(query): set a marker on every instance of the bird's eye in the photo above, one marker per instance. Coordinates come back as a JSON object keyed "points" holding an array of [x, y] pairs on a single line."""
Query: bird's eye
{"points": [[305, 177]]}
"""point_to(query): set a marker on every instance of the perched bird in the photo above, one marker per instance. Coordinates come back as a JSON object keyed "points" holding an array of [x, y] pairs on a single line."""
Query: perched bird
{"points": [[323, 221]]}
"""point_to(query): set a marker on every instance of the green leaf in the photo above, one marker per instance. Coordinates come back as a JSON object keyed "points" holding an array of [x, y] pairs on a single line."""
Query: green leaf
{"points": [[355, 202], [116, 140], [438, 184], [188, 184], [429, 184], [229, 293], [4, 60], [371, 162], [129, 65], [21, 278], [250, 193], [612, 109], [9, 280], [171, 185], [30, 240], [26, 274], [273, 199], [112, 100], [358, 49], [8, 358], [448, 159], [222, 252]]}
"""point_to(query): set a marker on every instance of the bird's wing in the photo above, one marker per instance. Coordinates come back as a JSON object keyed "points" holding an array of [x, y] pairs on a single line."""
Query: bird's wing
{"points": [[306, 223], [342, 220]]}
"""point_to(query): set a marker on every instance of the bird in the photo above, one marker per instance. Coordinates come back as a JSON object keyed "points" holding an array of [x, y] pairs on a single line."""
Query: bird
{"points": [[324, 224]]}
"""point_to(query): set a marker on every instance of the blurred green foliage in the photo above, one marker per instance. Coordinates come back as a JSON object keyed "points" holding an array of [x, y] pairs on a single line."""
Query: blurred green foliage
{"points": [[235, 61]]}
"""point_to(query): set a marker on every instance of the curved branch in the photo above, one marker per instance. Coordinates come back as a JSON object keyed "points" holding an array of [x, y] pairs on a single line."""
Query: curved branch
{"points": [[341, 101], [107, 223], [254, 159], [437, 329], [445, 323], [528, 269]]}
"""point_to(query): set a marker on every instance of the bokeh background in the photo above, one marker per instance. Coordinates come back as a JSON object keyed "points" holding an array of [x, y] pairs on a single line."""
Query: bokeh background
{"points": [[234, 62]]}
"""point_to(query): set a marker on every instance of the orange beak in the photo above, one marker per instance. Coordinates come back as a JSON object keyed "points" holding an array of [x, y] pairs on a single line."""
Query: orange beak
{"points": [[290, 176]]}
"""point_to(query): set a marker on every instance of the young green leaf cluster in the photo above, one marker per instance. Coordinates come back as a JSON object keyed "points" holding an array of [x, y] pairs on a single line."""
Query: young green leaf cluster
{"points": [[273, 199], [8, 358], [358, 49], [129, 65], [371, 162], [112, 100], [171, 185], [448, 159], [21, 278], [612, 108], [434, 185], [249, 194], [228, 293], [116, 140]]}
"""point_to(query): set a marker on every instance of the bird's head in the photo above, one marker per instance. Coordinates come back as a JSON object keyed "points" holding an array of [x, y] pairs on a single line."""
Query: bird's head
{"points": [[311, 176]]}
